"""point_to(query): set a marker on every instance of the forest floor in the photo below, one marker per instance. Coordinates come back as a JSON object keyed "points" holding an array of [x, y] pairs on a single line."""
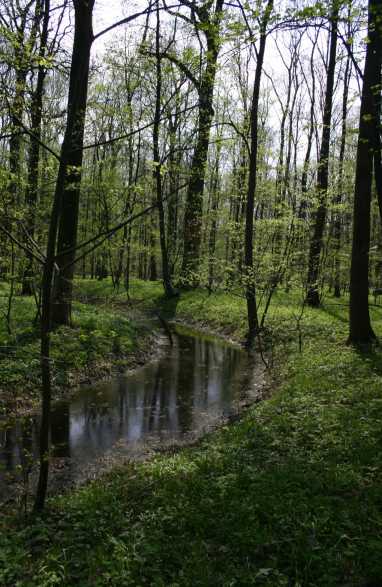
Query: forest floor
{"points": [[290, 495], [108, 335]]}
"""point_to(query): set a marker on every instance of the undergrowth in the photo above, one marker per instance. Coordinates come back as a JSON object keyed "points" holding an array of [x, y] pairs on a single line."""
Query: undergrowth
{"points": [[100, 336], [291, 495]]}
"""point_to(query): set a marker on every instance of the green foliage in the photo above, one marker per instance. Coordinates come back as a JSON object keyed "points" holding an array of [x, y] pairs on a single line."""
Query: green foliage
{"points": [[98, 338], [144, 293], [290, 495]]}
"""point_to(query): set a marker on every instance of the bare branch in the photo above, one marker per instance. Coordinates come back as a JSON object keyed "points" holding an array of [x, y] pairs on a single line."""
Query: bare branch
{"points": [[21, 245]]}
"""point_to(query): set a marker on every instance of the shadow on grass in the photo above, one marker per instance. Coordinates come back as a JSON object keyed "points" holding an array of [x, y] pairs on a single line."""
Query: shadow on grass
{"points": [[372, 354], [255, 507], [335, 312], [167, 306]]}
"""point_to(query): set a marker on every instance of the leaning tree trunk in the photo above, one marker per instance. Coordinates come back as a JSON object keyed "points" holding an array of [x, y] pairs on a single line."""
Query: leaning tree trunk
{"points": [[253, 322], [313, 295], [360, 330], [71, 160]]}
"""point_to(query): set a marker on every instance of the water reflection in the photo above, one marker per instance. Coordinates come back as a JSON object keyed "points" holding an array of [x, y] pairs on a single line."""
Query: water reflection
{"points": [[195, 383]]}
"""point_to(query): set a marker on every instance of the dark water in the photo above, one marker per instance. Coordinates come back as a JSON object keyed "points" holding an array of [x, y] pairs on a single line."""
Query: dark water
{"points": [[198, 381]]}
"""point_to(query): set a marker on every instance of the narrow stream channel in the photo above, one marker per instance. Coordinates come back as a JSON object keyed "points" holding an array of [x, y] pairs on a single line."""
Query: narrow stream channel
{"points": [[199, 380]]}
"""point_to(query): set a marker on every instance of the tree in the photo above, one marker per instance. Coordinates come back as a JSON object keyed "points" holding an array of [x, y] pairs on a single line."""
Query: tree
{"points": [[340, 188], [208, 20], [313, 295], [253, 323], [65, 201], [69, 176], [63, 226], [169, 291], [360, 329], [70, 173], [35, 139]]}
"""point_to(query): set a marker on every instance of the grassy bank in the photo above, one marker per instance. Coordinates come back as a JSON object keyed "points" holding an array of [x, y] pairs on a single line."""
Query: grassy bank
{"points": [[290, 495], [103, 337]]}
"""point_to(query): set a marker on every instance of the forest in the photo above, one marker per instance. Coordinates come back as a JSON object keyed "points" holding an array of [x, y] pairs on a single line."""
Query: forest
{"points": [[190, 285]]}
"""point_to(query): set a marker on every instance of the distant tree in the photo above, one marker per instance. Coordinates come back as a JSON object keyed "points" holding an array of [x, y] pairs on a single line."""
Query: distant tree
{"points": [[157, 173], [316, 242], [31, 196], [340, 186], [252, 316], [205, 18]]}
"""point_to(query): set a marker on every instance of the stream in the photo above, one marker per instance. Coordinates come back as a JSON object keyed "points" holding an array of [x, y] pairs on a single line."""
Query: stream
{"points": [[196, 383]]}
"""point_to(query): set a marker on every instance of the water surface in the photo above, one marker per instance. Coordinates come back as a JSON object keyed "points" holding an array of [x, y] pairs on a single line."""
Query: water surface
{"points": [[197, 381]]}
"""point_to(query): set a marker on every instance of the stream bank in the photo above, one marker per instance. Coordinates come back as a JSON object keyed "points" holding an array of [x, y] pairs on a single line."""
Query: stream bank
{"points": [[290, 494], [193, 386], [102, 342]]}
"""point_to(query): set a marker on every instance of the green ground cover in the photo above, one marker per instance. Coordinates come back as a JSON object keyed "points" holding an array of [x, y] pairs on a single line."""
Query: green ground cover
{"points": [[289, 495], [100, 337]]}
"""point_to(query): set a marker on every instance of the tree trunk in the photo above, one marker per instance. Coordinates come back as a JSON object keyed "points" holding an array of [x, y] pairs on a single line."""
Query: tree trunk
{"points": [[71, 161], [338, 199], [194, 198], [169, 291], [214, 191], [313, 295], [72, 140], [305, 169], [253, 323], [360, 330], [34, 149], [173, 188]]}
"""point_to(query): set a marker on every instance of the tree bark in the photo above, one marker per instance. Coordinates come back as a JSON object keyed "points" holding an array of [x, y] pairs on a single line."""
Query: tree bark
{"points": [[339, 196], [34, 149], [253, 322], [360, 330], [194, 198], [72, 145], [305, 169], [71, 161], [313, 295], [167, 285]]}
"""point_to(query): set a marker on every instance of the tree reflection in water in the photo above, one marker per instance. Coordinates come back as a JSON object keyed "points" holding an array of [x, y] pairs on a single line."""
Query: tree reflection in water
{"points": [[194, 384]]}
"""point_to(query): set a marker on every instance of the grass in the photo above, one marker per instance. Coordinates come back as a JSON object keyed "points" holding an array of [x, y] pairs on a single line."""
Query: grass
{"points": [[101, 337], [291, 495]]}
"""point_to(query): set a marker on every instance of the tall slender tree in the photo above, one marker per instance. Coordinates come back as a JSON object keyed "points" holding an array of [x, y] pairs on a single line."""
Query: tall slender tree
{"points": [[207, 19], [69, 177], [169, 291], [340, 186], [35, 139], [65, 198], [316, 242], [360, 329], [253, 322]]}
